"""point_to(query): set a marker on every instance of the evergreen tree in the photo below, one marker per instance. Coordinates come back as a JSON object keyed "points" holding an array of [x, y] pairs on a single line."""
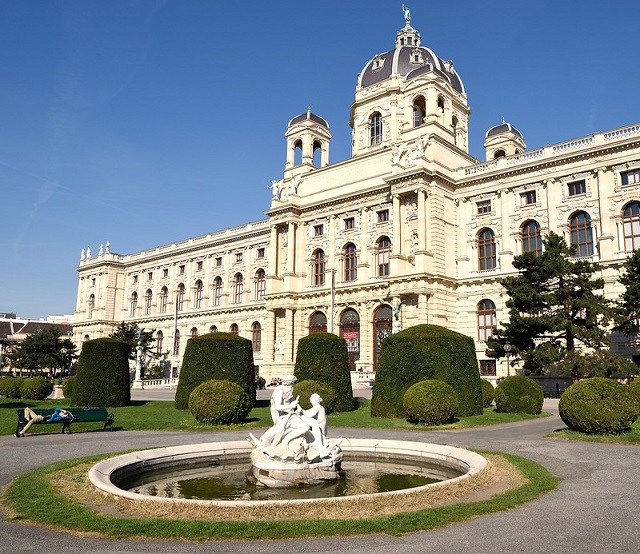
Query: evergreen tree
{"points": [[627, 316], [131, 333], [554, 298], [42, 350]]}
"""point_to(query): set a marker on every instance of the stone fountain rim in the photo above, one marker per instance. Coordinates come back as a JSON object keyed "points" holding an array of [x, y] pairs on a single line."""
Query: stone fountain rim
{"points": [[468, 462]]}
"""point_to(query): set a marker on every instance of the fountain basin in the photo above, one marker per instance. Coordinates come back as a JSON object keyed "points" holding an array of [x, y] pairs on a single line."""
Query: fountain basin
{"points": [[106, 474]]}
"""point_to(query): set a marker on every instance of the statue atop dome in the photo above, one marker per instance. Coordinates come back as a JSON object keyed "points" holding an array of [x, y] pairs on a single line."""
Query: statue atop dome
{"points": [[407, 14]]}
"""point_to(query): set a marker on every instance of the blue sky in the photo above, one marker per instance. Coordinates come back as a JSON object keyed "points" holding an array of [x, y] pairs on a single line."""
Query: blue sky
{"points": [[145, 122]]}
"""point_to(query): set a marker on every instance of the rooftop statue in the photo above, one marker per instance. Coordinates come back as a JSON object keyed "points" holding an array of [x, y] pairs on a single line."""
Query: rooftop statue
{"points": [[407, 14]]}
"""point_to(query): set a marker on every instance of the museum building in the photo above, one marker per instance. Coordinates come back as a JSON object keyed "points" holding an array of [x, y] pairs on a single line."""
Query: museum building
{"points": [[410, 229]]}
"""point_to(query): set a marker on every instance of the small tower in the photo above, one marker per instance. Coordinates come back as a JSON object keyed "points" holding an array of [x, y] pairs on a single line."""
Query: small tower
{"points": [[503, 140], [308, 139]]}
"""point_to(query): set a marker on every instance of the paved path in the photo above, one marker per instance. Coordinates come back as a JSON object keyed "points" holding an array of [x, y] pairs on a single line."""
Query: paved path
{"points": [[594, 510]]}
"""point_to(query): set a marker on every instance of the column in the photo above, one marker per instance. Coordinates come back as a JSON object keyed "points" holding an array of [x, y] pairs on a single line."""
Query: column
{"points": [[397, 234], [273, 251], [606, 239], [291, 248], [365, 256]]}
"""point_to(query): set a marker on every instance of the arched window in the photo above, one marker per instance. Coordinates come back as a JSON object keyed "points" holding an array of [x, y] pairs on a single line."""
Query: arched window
{"points": [[441, 104], [297, 153], [159, 339], [260, 284], [176, 343], [350, 262], [350, 331], [197, 294], [581, 235], [217, 291], [531, 237], [233, 329], [213, 329], [486, 319], [419, 111], [256, 336], [86, 338], [375, 129], [164, 297], [383, 253], [317, 153], [499, 154], [180, 297], [382, 328], [194, 332], [238, 288], [486, 250], [631, 226], [133, 304], [318, 268], [148, 297], [318, 323], [91, 304]]}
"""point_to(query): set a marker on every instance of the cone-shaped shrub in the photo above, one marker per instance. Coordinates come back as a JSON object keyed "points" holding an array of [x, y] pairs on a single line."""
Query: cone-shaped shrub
{"points": [[102, 378], [599, 406], [221, 356], [426, 352], [519, 395], [323, 357]]}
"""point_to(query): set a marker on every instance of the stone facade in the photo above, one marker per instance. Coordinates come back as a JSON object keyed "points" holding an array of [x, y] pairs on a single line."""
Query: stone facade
{"points": [[411, 229]]}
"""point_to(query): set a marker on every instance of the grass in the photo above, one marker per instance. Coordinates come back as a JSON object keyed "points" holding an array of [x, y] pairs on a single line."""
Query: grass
{"points": [[632, 437], [162, 416], [32, 497]]}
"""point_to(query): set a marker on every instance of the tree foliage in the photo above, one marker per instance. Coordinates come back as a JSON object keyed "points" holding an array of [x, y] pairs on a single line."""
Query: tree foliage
{"points": [[42, 350], [627, 317], [554, 298], [132, 334]]}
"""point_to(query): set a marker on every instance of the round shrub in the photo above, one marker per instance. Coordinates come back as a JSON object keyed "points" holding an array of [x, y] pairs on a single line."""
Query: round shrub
{"points": [[219, 402], [634, 387], [220, 356], [10, 387], [67, 386], [102, 377], [324, 357], [431, 402], [518, 394], [305, 389], [488, 393], [36, 388], [599, 406], [426, 352]]}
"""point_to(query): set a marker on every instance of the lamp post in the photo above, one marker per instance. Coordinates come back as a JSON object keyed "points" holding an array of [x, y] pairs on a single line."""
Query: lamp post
{"points": [[507, 353]]}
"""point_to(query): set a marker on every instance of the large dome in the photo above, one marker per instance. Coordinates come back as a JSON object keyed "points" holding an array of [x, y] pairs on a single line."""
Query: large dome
{"points": [[408, 60]]}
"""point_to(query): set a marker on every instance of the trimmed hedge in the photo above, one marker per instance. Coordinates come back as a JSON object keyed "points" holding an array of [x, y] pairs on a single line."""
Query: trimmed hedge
{"points": [[36, 388], [488, 393], [519, 395], [102, 377], [599, 406], [305, 389], [426, 352], [219, 402], [634, 387], [431, 402], [220, 356], [67, 386], [323, 357], [10, 387]]}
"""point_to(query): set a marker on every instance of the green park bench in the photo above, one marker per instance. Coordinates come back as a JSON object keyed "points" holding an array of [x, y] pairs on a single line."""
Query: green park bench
{"points": [[80, 415]]}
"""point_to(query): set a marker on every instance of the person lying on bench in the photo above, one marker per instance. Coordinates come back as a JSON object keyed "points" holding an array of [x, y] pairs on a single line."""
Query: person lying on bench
{"points": [[30, 417]]}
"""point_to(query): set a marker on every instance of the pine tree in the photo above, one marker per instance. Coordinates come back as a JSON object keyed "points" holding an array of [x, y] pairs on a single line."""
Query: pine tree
{"points": [[554, 307], [627, 316]]}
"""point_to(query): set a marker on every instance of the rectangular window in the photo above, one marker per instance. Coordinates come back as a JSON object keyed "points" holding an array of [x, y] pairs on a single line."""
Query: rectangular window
{"points": [[219, 261], [487, 367], [165, 272], [199, 266], [630, 177], [181, 270], [238, 257], [483, 206], [318, 230], [528, 197], [577, 187], [135, 279], [383, 216], [349, 223], [260, 253]]}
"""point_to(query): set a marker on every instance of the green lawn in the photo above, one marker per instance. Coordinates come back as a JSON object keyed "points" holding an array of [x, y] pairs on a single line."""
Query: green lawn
{"points": [[632, 437], [162, 416]]}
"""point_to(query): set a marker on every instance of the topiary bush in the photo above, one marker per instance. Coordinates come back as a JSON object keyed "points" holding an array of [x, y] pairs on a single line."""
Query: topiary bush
{"points": [[219, 402], [634, 387], [599, 406], [10, 387], [67, 386], [36, 388], [518, 395], [102, 377], [426, 352], [305, 389], [323, 357], [488, 393], [431, 402], [220, 356]]}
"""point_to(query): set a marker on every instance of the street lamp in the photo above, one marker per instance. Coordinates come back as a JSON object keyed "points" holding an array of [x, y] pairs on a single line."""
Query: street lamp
{"points": [[507, 353]]}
